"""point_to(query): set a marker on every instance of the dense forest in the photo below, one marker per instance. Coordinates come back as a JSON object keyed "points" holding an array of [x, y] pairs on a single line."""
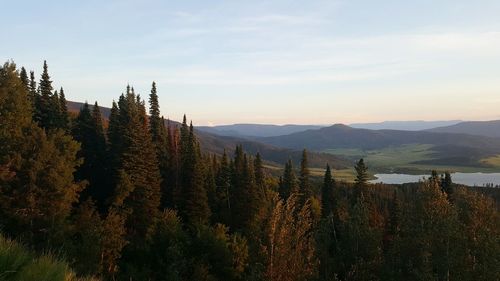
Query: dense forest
{"points": [[135, 198]]}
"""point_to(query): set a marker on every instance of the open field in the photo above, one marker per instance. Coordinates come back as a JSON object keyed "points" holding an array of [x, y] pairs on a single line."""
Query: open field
{"points": [[401, 159], [492, 161]]}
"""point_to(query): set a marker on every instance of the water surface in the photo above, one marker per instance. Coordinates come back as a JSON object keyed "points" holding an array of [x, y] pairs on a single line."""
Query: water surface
{"points": [[471, 179]]}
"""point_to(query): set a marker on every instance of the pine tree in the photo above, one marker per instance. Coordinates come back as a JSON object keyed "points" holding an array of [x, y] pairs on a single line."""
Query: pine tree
{"points": [[44, 104], [63, 112], [245, 195], [33, 95], [114, 134], [288, 182], [194, 207], [155, 124], [304, 184], [361, 179], [160, 140], [447, 184], [327, 193], [259, 173], [24, 77], [133, 154]]}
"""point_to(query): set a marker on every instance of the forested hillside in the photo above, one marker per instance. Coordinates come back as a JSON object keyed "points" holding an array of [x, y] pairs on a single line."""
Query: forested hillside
{"points": [[138, 200]]}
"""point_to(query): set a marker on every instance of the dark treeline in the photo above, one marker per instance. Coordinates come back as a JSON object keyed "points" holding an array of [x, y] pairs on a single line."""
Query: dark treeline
{"points": [[134, 198]]}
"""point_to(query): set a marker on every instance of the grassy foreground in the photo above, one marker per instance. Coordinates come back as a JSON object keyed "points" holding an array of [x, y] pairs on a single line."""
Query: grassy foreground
{"points": [[19, 264]]}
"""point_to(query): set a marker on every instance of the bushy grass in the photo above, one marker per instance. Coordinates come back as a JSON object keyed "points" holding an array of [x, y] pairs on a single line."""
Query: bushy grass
{"points": [[18, 264]]}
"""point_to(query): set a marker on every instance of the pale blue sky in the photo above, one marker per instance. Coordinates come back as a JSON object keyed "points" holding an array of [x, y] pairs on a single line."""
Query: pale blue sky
{"points": [[301, 62]]}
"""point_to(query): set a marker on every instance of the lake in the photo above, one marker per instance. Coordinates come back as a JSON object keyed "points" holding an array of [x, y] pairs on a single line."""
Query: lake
{"points": [[471, 179]]}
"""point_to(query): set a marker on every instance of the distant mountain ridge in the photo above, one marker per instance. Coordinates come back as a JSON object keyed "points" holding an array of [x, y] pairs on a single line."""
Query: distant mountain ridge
{"points": [[257, 130], [269, 130], [416, 125], [479, 128]]}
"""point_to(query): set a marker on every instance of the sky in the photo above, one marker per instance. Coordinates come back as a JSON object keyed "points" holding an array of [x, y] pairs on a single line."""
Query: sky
{"points": [[274, 62]]}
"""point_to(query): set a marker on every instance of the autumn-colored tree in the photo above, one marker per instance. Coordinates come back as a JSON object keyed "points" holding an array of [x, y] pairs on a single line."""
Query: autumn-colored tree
{"points": [[290, 249]]}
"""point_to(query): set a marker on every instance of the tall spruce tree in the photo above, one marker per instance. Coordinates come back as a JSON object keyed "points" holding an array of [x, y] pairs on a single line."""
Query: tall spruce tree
{"points": [[327, 193], [135, 156], [305, 190], [160, 141], [63, 111], [361, 179], [288, 182], [194, 204], [33, 95], [45, 105], [24, 77], [155, 123], [447, 184]]}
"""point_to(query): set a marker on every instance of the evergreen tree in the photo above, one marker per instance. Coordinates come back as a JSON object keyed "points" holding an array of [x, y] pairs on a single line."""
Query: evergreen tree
{"points": [[160, 140], [45, 105], [194, 206], [327, 193], [305, 190], [447, 184], [63, 112], [361, 179], [259, 173], [244, 192], [156, 126], [135, 156], [114, 134], [33, 94], [24, 77], [288, 183]]}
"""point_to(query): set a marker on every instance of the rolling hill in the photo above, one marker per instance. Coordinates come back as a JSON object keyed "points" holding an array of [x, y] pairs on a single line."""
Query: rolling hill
{"points": [[442, 148], [479, 128]]}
